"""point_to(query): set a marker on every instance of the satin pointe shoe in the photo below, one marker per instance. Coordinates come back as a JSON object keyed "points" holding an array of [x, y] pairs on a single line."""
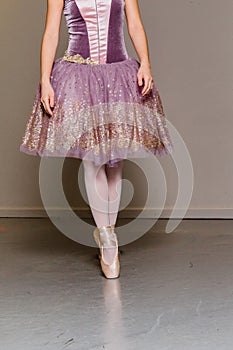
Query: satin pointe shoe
{"points": [[106, 238]]}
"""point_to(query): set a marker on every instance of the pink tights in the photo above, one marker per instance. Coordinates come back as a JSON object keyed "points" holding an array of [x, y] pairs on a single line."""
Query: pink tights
{"points": [[103, 187]]}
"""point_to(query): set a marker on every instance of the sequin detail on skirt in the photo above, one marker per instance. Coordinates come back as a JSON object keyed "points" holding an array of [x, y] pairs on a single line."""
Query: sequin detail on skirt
{"points": [[99, 114]]}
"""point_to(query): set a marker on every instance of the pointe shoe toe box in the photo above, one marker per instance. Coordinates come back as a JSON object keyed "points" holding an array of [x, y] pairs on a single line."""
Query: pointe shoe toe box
{"points": [[111, 270]]}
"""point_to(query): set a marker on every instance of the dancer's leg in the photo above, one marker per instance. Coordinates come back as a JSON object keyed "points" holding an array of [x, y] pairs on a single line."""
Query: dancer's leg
{"points": [[97, 192], [114, 177]]}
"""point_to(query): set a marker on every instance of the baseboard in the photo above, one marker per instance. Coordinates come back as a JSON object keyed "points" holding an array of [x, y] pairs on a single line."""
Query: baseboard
{"points": [[191, 213]]}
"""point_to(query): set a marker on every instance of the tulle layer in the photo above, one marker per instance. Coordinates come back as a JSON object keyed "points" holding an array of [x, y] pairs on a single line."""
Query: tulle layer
{"points": [[99, 114]]}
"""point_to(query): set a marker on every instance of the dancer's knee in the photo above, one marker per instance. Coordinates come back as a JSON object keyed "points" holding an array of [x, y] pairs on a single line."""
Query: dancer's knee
{"points": [[92, 170], [115, 172]]}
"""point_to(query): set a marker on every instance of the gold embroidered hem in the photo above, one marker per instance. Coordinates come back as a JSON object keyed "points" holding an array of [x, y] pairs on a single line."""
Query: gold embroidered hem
{"points": [[130, 129], [111, 136]]}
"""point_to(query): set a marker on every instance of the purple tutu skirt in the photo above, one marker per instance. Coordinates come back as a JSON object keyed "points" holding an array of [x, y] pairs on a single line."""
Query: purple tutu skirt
{"points": [[99, 115]]}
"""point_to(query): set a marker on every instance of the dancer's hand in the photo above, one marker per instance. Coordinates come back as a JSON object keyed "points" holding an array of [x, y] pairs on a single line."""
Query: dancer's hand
{"points": [[47, 97], [145, 78]]}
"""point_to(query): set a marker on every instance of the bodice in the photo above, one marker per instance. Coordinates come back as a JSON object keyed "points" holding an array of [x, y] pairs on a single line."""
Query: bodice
{"points": [[95, 29]]}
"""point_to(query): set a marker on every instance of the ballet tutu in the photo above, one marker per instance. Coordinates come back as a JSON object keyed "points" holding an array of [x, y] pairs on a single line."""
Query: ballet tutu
{"points": [[99, 115]]}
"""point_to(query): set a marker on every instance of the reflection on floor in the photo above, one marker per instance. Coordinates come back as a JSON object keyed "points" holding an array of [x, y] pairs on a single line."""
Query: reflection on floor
{"points": [[175, 290]]}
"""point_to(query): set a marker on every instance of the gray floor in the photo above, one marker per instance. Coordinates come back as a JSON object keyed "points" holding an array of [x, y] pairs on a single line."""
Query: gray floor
{"points": [[175, 291]]}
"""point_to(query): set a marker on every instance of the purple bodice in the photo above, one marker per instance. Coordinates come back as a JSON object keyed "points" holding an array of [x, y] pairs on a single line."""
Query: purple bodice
{"points": [[95, 29]]}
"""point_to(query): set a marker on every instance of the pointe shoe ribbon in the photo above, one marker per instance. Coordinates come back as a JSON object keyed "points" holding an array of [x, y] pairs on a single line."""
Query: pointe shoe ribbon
{"points": [[107, 237]]}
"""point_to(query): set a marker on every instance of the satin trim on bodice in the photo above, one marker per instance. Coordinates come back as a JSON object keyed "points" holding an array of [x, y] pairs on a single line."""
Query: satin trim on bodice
{"points": [[96, 14]]}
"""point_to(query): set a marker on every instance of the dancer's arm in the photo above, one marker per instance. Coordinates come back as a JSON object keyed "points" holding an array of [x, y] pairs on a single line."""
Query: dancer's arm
{"points": [[140, 42], [48, 50]]}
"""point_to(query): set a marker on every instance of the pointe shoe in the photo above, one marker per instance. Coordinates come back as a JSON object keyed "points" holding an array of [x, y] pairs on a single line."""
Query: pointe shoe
{"points": [[105, 237]]}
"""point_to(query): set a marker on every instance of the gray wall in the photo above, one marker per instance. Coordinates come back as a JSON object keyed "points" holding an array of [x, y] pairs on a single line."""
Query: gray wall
{"points": [[191, 52]]}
